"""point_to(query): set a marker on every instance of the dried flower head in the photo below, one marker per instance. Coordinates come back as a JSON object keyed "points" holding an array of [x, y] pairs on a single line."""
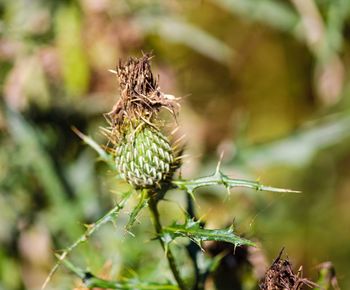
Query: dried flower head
{"points": [[144, 156], [140, 95]]}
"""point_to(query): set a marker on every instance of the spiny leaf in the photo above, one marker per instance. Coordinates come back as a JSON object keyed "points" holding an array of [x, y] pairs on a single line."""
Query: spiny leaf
{"points": [[143, 202], [218, 178], [91, 281], [103, 155], [194, 231], [90, 229]]}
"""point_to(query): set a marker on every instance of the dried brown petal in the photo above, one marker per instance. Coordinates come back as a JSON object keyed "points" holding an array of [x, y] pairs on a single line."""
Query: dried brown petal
{"points": [[280, 276], [140, 97]]}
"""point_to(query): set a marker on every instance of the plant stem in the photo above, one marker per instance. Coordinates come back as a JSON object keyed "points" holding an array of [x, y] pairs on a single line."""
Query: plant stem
{"points": [[91, 281], [153, 202]]}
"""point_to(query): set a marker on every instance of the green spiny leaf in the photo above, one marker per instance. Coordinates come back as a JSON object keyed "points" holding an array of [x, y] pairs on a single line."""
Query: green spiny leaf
{"points": [[103, 155], [143, 202], [90, 229], [194, 231], [218, 178]]}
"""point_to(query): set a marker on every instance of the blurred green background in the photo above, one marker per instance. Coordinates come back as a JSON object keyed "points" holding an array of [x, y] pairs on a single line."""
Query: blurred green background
{"points": [[264, 81]]}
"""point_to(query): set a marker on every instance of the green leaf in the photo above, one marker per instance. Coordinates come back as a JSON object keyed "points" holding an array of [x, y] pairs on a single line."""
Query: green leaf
{"points": [[143, 202], [193, 230], [218, 178], [90, 229], [103, 155]]}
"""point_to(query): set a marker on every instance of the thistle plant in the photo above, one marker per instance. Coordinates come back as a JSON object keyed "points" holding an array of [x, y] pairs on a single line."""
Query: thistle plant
{"points": [[141, 153]]}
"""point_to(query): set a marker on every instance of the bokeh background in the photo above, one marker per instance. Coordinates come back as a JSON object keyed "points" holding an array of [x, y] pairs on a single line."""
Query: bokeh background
{"points": [[266, 82]]}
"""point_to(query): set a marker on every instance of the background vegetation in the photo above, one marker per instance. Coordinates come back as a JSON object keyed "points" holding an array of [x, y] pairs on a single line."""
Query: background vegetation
{"points": [[264, 81]]}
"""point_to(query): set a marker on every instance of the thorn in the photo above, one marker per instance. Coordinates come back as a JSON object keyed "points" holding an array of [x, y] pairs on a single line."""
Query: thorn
{"points": [[130, 233], [175, 130], [300, 271], [190, 192], [88, 226], [276, 189], [62, 256], [177, 141], [183, 156], [202, 218], [219, 163], [76, 131], [113, 71], [170, 97], [228, 192]]}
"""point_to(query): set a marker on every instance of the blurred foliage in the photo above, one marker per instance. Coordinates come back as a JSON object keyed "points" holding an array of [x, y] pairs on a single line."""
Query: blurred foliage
{"points": [[264, 81]]}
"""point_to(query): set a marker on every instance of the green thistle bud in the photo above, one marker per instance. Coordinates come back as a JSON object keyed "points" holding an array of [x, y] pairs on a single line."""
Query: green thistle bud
{"points": [[143, 155]]}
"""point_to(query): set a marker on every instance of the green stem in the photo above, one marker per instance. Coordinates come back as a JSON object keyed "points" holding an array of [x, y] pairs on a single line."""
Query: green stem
{"points": [[91, 281], [153, 201]]}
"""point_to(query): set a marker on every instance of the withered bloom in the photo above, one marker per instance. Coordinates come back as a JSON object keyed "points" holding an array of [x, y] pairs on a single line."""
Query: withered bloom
{"points": [[143, 154]]}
